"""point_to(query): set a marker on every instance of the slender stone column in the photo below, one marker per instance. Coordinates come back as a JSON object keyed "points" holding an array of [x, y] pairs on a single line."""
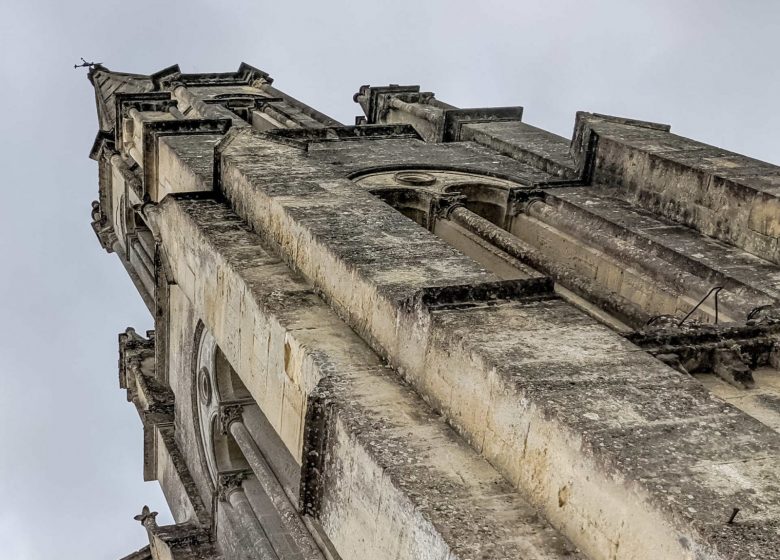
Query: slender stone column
{"points": [[431, 114], [232, 491], [231, 417], [143, 255], [531, 256], [278, 116]]}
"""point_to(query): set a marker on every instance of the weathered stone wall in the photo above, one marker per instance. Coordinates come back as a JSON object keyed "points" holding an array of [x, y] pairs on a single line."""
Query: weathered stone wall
{"points": [[373, 277], [722, 194], [375, 425], [422, 392]]}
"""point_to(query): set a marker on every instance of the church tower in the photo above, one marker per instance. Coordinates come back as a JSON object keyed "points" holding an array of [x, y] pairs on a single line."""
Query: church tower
{"points": [[440, 333]]}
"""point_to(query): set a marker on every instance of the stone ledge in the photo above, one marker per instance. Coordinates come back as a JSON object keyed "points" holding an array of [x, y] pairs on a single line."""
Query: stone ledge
{"points": [[489, 369], [323, 359]]}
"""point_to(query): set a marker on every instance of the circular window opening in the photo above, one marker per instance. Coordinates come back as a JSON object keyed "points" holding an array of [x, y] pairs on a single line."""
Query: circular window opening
{"points": [[414, 178], [204, 386]]}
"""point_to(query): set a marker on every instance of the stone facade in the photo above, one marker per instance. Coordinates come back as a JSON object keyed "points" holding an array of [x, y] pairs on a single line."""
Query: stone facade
{"points": [[440, 333]]}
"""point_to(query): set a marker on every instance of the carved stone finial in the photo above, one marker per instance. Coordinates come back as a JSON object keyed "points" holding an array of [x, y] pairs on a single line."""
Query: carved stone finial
{"points": [[229, 483], [132, 335], [136, 356], [147, 519], [97, 212], [228, 414]]}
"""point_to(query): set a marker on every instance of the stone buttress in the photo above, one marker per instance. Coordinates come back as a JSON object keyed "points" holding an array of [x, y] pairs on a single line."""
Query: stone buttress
{"points": [[440, 333]]}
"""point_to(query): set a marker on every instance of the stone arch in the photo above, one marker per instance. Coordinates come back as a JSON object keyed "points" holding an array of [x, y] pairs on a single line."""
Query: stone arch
{"points": [[243, 479], [429, 177], [216, 384], [228, 385], [415, 204], [486, 218], [419, 192]]}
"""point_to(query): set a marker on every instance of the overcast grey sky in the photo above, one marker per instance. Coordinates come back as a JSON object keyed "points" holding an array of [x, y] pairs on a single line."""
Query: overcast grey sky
{"points": [[70, 461]]}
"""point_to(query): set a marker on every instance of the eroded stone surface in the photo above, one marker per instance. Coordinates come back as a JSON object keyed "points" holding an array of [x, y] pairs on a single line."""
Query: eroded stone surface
{"points": [[506, 374]]}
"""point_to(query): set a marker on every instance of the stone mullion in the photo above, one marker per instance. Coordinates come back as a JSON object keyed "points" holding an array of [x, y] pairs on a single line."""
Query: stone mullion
{"points": [[231, 490], [143, 266], [143, 254], [231, 417]]}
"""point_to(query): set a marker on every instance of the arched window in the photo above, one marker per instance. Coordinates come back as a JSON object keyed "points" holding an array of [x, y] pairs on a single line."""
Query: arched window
{"points": [[245, 478], [415, 193], [218, 385]]}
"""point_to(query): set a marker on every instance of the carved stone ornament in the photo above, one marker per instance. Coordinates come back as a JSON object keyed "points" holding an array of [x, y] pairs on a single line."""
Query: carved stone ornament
{"points": [[415, 178], [147, 518], [229, 483], [102, 227], [205, 390], [229, 414]]}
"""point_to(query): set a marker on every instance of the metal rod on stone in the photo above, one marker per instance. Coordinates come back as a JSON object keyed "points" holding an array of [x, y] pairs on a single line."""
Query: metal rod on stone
{"points": [[85, 64], [714, 290]]}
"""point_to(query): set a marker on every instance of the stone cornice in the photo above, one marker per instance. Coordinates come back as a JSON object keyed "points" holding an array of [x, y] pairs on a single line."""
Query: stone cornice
{"points": [[103, 145], [454, 119], [303, 137], [246, 74]]}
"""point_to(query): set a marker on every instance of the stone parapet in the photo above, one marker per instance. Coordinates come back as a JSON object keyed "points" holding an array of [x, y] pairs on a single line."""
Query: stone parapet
{"points": [[721, 194]]}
